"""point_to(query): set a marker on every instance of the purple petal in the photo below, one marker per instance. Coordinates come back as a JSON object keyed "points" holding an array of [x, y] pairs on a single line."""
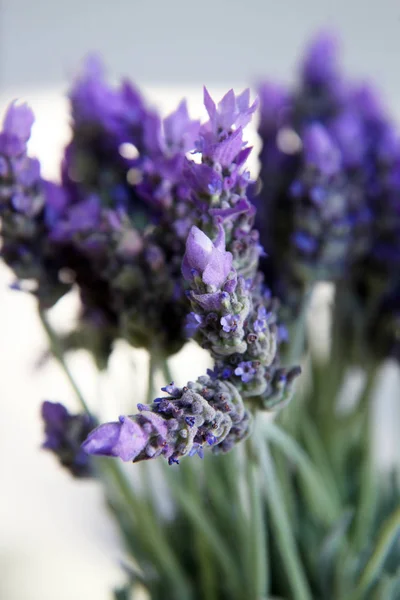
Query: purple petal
{"points": [[218, 268], [158, 423], [198, 249], [242, 206], [226, 151], [124, 439], [18, 121], [226, 110], [210, 105], [320, 64], [54, 413]]}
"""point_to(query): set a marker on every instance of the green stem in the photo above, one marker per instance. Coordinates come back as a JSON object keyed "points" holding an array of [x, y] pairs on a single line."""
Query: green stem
{"points": [[283, 530], [299, 332], [58, 354], [388, 533], [217, 545], [312, 441], [208, 578], [258, 559], [324, 503], [368, 488], [151, 387], [166, 371], [154, 538]]}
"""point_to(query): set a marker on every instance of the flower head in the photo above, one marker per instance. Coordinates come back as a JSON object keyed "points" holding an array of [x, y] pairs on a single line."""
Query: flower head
{"points": [[320, 168], [64, 436]]}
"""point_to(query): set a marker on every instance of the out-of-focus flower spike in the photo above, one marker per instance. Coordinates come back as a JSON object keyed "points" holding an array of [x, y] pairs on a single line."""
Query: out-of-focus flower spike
{"points": [[320, 64], [64, 435], [18, 121]]}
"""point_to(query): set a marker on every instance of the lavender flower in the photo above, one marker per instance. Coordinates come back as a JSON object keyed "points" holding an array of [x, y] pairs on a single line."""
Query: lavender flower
{"points": [[217, 296], [204, 413], [218, 184], [111, 228], [234, 318], [23, 196], [246, 371], [64, 436], [123, 172], [320, 160], [368, 300]]}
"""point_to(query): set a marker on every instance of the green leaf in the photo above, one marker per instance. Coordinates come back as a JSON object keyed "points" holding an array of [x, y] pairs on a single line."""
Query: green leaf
{"points": [[319, 498], [283, 529], [388, 534]]}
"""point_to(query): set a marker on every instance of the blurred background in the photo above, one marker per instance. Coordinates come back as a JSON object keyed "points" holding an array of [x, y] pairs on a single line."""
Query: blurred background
{"points": [[55, 540]]}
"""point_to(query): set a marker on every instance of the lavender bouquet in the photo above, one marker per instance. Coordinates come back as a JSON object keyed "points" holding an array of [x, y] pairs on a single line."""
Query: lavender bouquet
{"points": [[158, 227]]}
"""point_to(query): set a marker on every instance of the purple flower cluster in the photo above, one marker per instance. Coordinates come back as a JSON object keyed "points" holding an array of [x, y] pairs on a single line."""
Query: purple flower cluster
{"points": [[133, 223], [233, 316], [327, 145], [211, 411], [64, 435], [116, 226], [219, 182], [203, 414], [23, 197]]}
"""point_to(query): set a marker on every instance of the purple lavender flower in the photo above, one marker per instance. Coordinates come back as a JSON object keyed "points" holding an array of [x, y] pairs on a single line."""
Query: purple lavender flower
{"points": [[261, 323], [201, 414], [64, 436], [193, 322], [232, 111], [125, 438], [319, 164], [230, 322], [180, 131], [245, 371], [17, 127], [211, 411], [320, 64], [23, 193], [116, 229]]}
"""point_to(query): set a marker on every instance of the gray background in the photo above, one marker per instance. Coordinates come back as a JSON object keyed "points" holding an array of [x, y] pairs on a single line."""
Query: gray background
{"points": [[224, 42]]}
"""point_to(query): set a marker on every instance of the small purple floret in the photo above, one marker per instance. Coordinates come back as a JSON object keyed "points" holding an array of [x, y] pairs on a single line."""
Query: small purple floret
{"points": [[230, 322], [245, 371]]}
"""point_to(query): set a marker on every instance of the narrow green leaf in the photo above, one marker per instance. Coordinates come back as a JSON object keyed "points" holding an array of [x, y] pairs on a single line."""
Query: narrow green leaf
{"points": [[387, 536], [323, 503], [283, 529]]}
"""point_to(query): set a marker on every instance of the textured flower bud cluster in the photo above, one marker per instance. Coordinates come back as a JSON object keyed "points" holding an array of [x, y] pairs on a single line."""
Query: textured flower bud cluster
{"points": [[206, 413], [234, 323], [256, 371], [64, 435], [219, 299]]}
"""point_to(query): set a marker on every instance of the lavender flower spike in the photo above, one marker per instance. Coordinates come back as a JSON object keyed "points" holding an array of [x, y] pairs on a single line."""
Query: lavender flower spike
{"points": [[202, 414], [64, 436]]}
